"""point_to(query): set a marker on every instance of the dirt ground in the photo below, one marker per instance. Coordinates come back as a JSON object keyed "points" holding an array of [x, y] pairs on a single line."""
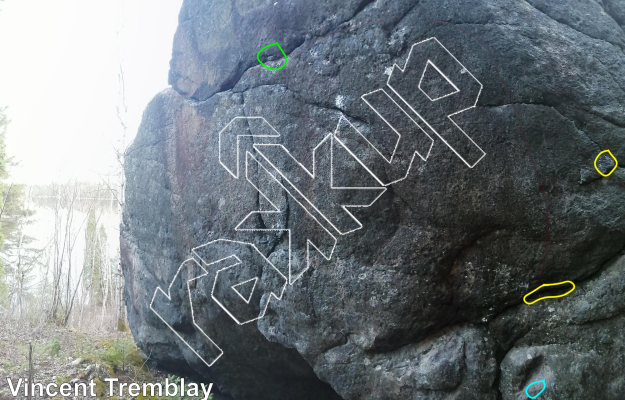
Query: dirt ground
{"points": [[66, 355]]}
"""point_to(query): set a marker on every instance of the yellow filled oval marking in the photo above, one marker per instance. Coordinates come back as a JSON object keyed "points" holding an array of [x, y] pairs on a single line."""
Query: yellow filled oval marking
{"points": [[548, 297], [611, 155]]}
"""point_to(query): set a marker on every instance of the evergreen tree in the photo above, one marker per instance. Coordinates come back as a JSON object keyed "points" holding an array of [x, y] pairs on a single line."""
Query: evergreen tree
{"points": [[93, 263], [4, 290], [4, 122], [105, 273], [17, 260]]}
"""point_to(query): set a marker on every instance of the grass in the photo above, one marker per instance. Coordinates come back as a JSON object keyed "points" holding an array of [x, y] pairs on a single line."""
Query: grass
{"points": [[121, 354], [52, 347], [107, 354], [176, 379]]}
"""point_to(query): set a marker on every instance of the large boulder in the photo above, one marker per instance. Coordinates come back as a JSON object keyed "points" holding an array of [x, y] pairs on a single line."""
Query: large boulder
{"points": [[420, 296]]}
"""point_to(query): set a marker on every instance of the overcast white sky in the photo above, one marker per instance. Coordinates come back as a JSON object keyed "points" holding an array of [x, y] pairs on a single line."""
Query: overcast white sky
{"points": [[59, 61]]}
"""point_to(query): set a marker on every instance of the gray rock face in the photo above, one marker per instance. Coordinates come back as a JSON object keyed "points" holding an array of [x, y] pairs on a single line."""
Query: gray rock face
{"points": [[424, 300]]}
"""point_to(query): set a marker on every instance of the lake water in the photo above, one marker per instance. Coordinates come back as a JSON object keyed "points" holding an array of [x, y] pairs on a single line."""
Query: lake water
{"points": [[42, 228]]}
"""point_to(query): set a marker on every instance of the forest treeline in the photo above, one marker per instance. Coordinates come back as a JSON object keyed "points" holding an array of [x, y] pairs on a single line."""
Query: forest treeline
{"points": [[73, 277]]}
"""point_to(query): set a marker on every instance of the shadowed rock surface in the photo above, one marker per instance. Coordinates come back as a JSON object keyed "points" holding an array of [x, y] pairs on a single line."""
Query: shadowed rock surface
{"points": [[425, 300]]}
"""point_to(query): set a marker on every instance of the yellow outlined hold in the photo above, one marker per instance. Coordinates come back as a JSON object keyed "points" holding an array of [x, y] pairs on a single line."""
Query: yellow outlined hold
{"points": [[548, 297], [611, 155]]}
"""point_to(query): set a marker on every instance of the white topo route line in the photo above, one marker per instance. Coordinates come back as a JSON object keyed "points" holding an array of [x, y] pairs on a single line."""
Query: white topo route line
{"points": [[239, 295]]}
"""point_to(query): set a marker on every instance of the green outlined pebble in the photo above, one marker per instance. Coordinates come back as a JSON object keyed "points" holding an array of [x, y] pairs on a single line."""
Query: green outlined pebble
{"points": [[268, 67]]}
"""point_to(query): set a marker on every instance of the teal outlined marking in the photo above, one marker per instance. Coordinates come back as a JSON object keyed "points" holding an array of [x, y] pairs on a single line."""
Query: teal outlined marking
{"points": [[532, 384], [264, 65]]}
